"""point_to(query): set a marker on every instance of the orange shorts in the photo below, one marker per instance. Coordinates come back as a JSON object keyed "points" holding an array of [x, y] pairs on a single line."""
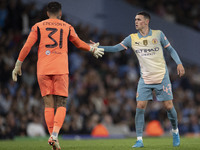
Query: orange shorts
{"points": [[53, 84]]}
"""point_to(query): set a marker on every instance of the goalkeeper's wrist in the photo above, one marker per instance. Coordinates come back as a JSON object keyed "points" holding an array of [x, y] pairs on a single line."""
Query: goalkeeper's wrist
{"points": [[18, 63], [92, 49]]}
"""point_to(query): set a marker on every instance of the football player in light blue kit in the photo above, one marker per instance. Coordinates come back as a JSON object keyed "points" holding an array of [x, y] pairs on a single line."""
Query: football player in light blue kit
{"points": [[148, 46]]}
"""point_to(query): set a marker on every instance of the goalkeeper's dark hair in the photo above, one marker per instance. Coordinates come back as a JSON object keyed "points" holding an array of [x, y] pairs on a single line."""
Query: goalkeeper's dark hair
{"points": [[53, 7], [145, 14]]}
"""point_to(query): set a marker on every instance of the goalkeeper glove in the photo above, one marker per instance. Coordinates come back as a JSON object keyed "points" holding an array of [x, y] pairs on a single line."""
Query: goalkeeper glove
{"points": [[94, 44], [97, 52], [17, 70]]}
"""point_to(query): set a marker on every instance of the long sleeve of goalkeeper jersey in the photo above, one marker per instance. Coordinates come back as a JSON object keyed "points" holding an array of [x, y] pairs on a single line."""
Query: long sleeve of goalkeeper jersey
{"points": [[73, 37], [32, 38], [165, 43], [125, 44]]}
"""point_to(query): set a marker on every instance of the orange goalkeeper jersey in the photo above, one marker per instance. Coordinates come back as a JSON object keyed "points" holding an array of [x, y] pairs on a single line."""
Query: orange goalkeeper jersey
{"points": [[52, 36]]}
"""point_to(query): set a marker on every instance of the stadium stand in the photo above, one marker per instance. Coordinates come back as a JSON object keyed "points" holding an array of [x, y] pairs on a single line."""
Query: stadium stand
{"points": [[110, 98]]}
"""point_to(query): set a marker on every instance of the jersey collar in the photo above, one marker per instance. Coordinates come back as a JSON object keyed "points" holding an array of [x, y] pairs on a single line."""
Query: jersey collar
{"points": [[149, 34]]}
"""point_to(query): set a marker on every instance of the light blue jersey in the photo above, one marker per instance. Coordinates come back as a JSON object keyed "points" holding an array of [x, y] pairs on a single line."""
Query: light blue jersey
{"points": [[149, 51]]}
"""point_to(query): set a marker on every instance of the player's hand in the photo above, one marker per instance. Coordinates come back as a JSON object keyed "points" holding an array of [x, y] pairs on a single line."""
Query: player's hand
{"points": [[97, 52], [17, 70], [180, 70], [94, 44]]}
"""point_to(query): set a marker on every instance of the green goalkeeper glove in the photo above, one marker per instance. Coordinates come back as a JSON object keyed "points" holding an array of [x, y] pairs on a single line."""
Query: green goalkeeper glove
{"points": [[17, 70]]}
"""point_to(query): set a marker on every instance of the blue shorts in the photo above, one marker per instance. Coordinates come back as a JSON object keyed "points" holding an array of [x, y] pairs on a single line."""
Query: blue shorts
{"points": [[163, 90]]}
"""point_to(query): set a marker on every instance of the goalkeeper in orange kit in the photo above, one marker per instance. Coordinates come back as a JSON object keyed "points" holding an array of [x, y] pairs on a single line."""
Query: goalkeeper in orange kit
{"points": [[52, 66]]}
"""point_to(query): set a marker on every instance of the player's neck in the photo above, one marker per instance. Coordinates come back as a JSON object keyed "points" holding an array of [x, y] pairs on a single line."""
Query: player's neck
{"points": [[54, 17], [144, 31]]}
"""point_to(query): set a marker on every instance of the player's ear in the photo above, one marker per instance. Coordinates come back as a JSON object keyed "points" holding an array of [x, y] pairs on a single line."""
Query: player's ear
{"points": [[47, 13], [147, 21], [60, 14]]}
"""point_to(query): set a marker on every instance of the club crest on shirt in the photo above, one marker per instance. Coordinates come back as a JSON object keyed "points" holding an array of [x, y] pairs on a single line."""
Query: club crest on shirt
{"points": [[48, 52], [154, 41], [145, 42]]}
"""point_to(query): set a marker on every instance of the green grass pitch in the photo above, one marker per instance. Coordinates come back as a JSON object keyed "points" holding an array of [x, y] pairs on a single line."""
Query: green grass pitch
{"points": [[161, 143]]}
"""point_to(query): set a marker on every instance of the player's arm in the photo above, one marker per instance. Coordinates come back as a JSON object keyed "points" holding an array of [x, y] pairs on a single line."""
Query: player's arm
{"points": [[124, 45], [165, 43], [32, 38], [73, 37]]}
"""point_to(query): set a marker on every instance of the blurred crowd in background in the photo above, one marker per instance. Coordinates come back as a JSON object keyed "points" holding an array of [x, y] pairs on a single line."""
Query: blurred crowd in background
{"points": [[101, 90], [184, 12]]}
